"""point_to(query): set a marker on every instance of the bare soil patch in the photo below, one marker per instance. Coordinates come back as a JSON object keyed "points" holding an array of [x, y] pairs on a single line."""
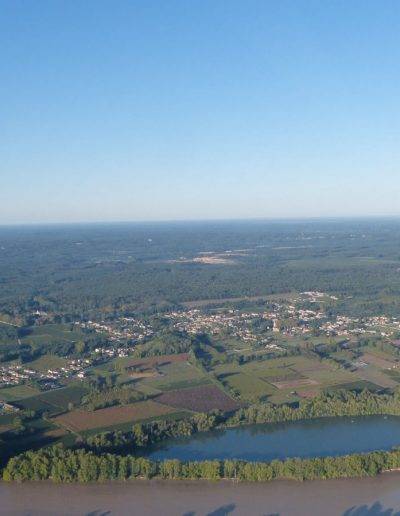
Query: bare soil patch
{"points": [[199, 399]]}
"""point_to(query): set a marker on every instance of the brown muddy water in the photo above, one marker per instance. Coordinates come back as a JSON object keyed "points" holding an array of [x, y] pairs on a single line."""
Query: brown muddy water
{"points": [[378, 496]]}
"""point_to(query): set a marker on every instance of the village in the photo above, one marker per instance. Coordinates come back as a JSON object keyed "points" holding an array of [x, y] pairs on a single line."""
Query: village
{"points": [[285, 318], [15, 374], [259, 327], [128, 329]]}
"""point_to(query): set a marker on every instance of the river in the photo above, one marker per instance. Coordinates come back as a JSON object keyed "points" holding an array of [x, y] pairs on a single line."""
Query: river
{"points": [[378, 496]]}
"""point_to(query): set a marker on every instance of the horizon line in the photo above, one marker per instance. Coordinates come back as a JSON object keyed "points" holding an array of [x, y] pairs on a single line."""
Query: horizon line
{"points": [[200, 220]]}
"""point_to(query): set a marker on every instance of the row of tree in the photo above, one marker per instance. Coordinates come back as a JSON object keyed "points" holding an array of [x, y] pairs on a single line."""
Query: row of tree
{"points": [[63, 465]]}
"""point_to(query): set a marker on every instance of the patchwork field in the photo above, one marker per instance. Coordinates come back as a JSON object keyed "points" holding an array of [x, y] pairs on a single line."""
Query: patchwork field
{"points": [[80, 420], [276, 379], [376, 367]]}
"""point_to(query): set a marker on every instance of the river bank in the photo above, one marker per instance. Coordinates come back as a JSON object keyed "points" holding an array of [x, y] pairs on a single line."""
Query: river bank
{"points": [[348, 497]]}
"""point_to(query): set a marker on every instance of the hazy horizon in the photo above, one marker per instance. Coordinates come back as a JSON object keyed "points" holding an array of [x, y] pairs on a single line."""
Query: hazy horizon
{"points": [[266, 220]]}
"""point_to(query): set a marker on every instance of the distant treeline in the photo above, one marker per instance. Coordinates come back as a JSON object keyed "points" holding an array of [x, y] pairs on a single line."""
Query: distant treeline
{"points": [[339, 403], [62, 465], [116, 269]]}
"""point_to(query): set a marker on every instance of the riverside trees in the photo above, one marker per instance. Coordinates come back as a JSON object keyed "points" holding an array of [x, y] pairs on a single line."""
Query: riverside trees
{"points": [[63, 465]]}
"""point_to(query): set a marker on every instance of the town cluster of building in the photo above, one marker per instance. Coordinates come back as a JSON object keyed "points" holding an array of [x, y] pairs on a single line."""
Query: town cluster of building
{"points": [[15, 374], [111, 352], [283, 317], [125, 328], [289, 318], [381, 326], [196, 321]]}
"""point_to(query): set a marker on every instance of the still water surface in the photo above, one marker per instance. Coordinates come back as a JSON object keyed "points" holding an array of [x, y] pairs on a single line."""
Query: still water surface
{"points": [[321, 437], [378, 496]]}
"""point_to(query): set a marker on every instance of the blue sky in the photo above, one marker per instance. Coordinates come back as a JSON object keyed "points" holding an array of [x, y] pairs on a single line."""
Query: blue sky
{"points": [[198, 109]]}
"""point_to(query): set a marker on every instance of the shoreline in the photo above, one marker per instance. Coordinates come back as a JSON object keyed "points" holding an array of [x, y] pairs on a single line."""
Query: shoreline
{"points": [[199, 481]]}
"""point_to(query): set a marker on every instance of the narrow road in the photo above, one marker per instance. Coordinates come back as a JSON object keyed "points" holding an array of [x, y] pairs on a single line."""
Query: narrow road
{"points": [[9, 324]]}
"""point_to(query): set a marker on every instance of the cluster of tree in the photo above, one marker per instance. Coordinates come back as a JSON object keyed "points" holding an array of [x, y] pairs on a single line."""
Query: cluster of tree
{"points": [[143, 435], [267, 355], [165, 343], [332, 404], [99, 383], [23, 352], [63, 465], [8, 333], [72, 348], [97, 399], [20, 424], [11, 348]]}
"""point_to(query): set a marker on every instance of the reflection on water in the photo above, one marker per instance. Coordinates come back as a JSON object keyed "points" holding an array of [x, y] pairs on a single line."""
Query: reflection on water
{"points": [[375, 509], [322, 437], [223, 511], [98, 513]]}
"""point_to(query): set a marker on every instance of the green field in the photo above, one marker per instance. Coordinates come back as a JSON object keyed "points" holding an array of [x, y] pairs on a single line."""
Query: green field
{"points": [[17, 392], [52, 333], [175, 375], [56, 400], [246, 386], [46, 362]]}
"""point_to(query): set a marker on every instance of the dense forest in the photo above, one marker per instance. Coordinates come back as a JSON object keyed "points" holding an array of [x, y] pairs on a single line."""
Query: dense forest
{"points": [[76, 270]]}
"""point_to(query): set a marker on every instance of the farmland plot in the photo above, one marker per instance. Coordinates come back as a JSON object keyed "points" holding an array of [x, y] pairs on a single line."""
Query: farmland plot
{"points": [[199, 399]]}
